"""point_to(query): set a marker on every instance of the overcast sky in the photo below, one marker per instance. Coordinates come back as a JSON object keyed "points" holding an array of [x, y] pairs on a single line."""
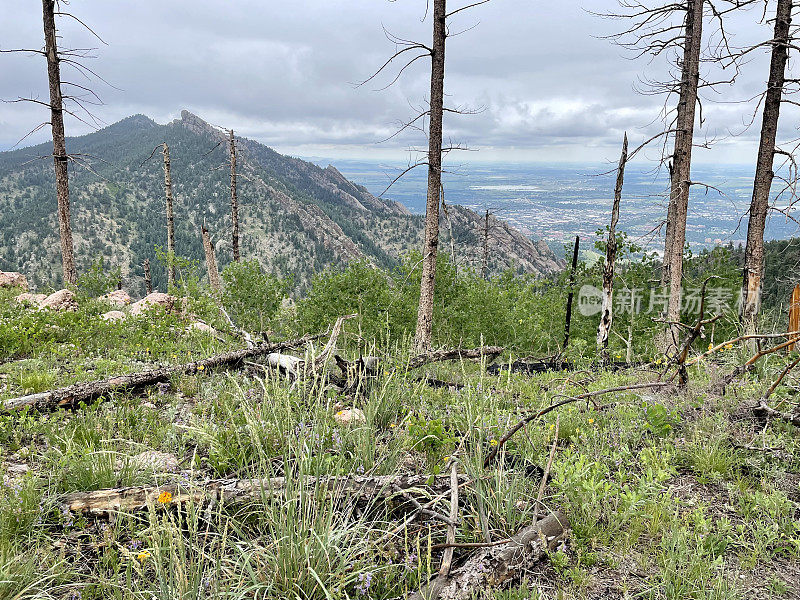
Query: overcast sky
{"points": [[548, 86]]}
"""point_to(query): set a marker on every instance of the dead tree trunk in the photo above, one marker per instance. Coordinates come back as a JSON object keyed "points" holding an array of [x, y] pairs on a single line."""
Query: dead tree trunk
{"points": [[606, 312], [211, 260], [130, 499], [60, 157], [754, 251], [170, 219], [431, 245], [485, 259], [794, 313], [234, 199], [672, 272], [86, 392], [148, 278], [499, 564], [571, 294]]}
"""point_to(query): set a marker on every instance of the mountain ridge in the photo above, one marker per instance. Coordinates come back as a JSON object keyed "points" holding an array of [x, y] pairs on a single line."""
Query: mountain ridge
{"points": [[296, 217]]}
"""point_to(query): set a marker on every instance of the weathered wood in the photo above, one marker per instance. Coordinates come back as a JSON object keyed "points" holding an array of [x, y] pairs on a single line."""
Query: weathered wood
{"points": [[234, 198], [571, 294], [491, 352], [430, 248], [60, 157], [753, 273], [148, 278], [86, 392], [794, 313], [170, 217], [211, 260], [500, 563], [131, 499], [607, 309], [680, 171]]}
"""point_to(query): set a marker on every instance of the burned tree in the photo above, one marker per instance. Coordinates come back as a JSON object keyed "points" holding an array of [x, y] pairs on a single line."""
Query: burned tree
{"points": [[606, 311], [681, 166], [435, 152], [234, 198], [60, 158], [211, 260], [676, 29], [170, 211], [485, 255], [767, 149], [430, 247], [57, 105], [170, 217]]}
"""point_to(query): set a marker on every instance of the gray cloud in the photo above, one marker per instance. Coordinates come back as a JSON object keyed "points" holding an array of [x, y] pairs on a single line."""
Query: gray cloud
{"points": [[549, 86]]}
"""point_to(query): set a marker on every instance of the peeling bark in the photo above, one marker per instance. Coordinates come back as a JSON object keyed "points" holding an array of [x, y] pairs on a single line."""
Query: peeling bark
{"points": [[170, 219], [148, 278], [430, 249], [754, 250], [234, 199], [499, 565], [133, 499], [606, 311], [211, 260], [680, 176], [60, 157]]}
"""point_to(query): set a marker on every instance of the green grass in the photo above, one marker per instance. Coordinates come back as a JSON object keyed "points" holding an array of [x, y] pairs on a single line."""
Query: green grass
{"points": [[663, 501]]}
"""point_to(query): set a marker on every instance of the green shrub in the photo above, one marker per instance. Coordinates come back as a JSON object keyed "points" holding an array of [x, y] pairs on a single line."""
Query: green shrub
{"points": [[251, 296]]}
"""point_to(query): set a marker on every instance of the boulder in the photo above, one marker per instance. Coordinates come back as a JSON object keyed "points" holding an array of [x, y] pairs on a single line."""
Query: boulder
{"points": [[117, 298], [113, 315], [152, 460], [203, 327], [13, 279], [61, 300], [150, 301], [350, 416], [28, 298]]}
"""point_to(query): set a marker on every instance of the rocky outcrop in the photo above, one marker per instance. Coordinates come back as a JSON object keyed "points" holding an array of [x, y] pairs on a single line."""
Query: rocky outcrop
{"points": [[350, 416], [62, 300], [154, 300], [117, 298], [113, 315], [13, 279], [30, 299]]}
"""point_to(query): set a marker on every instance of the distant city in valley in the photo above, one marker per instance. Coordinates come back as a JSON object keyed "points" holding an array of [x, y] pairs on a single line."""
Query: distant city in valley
{"points": [[555, 202]]}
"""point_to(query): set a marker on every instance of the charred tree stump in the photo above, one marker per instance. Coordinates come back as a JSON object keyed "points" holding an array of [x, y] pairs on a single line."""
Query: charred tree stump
{"points": [[499, 564]]}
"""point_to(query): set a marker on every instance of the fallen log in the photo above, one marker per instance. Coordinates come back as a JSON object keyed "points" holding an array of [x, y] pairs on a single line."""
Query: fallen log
{"points": [[491, 352], [72, 395], [133, 499], [531, 367], [498, 564]]}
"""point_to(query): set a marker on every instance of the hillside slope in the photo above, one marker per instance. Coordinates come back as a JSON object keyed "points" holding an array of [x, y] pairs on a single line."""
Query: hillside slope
{"points": [[296, 218]]}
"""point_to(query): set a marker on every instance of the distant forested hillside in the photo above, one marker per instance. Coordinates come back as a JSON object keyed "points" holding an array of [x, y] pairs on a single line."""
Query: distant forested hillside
{"points": [[296, 218]]}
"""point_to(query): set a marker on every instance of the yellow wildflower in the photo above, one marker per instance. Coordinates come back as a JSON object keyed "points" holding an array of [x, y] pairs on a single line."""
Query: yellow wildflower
{"points": [[392, 425], [493, 442], [445, 459], [200, 367], [710, 346], [591, 421], [143, 556], [165, 497], [729, 346]]}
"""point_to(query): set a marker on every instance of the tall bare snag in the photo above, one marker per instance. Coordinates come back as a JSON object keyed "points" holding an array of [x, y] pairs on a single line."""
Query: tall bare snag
{"points": [[60, 157], [759, 205], [606, 310]]}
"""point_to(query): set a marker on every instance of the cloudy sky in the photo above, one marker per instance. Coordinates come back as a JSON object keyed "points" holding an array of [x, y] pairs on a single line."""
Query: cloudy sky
{"points": [[547, 84]]}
